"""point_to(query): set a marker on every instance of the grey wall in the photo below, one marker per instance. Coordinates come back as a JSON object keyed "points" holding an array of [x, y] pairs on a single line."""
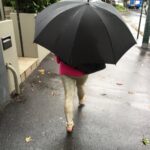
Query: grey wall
{"points": [[4, 91]]}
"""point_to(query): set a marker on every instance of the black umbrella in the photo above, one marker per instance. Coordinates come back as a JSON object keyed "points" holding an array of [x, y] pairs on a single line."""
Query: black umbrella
{"points": [[85, 35]]}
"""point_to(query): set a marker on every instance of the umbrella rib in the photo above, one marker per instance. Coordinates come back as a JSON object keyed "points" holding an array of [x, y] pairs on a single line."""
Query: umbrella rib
{"points": [[70, 60], [59, 15], [114, 15], [76, 34], [107, 33]]}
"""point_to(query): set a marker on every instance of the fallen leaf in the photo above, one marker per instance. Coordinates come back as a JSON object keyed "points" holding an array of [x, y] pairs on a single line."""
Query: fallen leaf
{"points": [[119, 83], [40, 81], [146, 141], [130, 92], [41, 71], [28, 139], [53, 93]]}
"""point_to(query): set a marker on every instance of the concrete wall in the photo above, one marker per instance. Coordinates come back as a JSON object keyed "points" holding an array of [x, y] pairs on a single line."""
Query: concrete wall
{"points": [[27, 22], [8, 10], [28, 29], [42, 53], [18, 46], [1, 10], [10, 55]]}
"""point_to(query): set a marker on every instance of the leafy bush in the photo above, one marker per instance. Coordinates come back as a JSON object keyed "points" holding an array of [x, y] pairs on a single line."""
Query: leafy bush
{"points": [[30, 6], [7, 2], [120, 8]]}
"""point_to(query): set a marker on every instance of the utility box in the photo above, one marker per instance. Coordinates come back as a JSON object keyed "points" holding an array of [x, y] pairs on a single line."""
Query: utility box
{"points": [[9, 52], [4, 90]]}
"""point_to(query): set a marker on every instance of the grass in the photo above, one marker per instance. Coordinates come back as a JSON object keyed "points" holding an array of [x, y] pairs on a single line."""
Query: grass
{"points": [[120, 8]]}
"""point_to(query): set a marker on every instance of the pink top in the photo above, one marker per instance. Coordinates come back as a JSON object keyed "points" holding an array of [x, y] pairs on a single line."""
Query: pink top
{"points": [[67, 70]]}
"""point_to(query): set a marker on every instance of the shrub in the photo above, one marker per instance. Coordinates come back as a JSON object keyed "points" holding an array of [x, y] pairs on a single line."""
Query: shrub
{"points": [[7, 2], [30, 6], [120, 8]]}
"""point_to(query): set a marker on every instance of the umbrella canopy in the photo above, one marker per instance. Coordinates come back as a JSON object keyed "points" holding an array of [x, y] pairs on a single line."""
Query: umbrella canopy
{"points": [[83, 33]]}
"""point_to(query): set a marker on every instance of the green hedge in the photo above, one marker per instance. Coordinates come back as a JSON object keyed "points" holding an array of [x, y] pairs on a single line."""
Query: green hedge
{"points": [[120, 8], [7, 2], [30, 6]]}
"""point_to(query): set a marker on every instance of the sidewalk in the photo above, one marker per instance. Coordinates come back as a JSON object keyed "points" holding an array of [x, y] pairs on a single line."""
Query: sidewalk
{"points": [[134, 32], [133, 19], [116, 115], [133, 23]]}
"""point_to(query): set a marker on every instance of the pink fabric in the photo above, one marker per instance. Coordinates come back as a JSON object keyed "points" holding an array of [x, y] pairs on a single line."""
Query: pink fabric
{"points": [[67, 70]]}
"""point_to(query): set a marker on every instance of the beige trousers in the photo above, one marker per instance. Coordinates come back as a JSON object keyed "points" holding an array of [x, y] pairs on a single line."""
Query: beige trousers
{"points": [[70, 84]]}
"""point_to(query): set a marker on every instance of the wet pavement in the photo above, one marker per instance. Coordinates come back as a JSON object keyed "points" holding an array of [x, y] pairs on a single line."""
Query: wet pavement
{"points": [[116, 115], [133, 17]]}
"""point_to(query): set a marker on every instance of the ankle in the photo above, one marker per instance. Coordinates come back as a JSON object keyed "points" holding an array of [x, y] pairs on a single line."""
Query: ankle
{"points": [[70, 123], [69, 127], [82, 100]]}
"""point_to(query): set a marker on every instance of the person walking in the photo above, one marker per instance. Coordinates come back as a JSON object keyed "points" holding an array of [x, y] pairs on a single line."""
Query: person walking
{"points": [[72, 79]]}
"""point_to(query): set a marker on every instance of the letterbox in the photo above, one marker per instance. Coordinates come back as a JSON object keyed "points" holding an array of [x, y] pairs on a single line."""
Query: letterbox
{"points": [[6, 42]]}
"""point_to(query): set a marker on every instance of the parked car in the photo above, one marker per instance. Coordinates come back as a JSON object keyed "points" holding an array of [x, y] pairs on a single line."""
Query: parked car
{"points": [[134, 3]]}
